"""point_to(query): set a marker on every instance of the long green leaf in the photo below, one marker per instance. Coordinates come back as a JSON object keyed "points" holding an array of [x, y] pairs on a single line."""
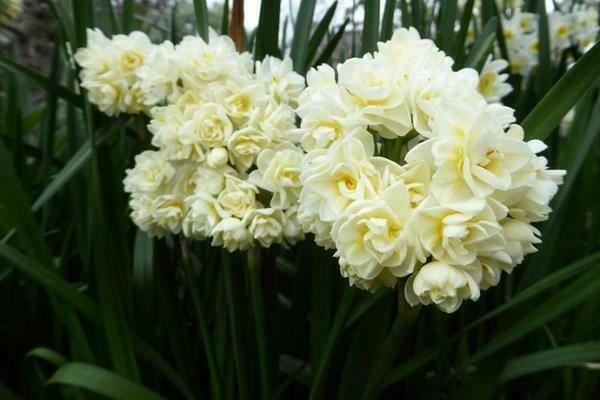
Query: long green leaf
{"points": [[461, 37], [52, 282], [574, 269], [578, 150], [39, 80], [302, 29], [319, 34], [128, 14], [483, 45], [387, 22], [331, 45], [543, 78], [370, 32], [448, 11], [216, 385], [267, 32], [225, 18], [58, 287], [201, 13], [101, 381], [548, 113], [572, 355], [321, 369], [566, 299]]}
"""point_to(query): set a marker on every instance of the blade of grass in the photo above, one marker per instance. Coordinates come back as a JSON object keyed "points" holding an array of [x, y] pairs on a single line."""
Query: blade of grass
{"points": [[302, 29], [448, 12], [201, 13], [399, 331], [225, 18], [370, 32], [421, 359], [267, 32], [215, 376], [234, 322], [331, 45], [543, 78], [258, 307], [73, 166], [483, 45], [567, 298], [319, 34], [406, 16], [51, 281], [101, 381], [387, 22], [39, 80], [578, 150], [461, 38], [322, 367], [128, 11], [548, 113], [88, 308], [572, 355]]}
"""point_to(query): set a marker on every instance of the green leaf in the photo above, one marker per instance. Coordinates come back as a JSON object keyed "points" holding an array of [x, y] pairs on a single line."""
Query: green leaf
{"points": [[448, 11], [483, 45], [201, 13], [82, 19], [331, 45], [548, 113], [48, 355], [234, 314], [258, 307], [547, 282], [73, 166], [370, 32], [461, 37], [267, 32], [406, 16], [552, 280], [225, 18], [302, 29], [387, 22], [571, 296], [567, 356], [322, 367], [101, 381], [191, 282], [128, 14], [40, 80], [543, 78], [50, 281], [581, 142], [319, 34], [58, 287]]}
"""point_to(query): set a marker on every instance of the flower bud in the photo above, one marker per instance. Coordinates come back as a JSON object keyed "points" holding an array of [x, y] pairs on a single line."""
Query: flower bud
{"points": [[217, 157]]}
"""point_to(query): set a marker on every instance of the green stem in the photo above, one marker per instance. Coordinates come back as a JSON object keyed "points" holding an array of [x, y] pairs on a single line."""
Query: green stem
{"points": [[259, 321], [239, 358], [325, 359], [202, 326]]}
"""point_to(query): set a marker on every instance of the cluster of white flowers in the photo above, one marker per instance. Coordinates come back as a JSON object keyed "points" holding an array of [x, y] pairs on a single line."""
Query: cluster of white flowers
{"points": [[225, 166], [454, 211], [577, 27]]}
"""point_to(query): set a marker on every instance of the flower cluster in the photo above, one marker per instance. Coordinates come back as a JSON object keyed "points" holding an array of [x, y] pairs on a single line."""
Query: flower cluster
{"points": [[455, 210], [578, 28], [224, 166]]}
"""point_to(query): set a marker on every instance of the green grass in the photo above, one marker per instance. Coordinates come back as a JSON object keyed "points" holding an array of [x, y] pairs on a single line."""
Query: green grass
{"points": [[90, 306]]}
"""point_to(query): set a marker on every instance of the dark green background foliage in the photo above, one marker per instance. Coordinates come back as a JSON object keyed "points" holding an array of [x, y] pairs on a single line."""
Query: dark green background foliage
{"points": [[91, 307]]}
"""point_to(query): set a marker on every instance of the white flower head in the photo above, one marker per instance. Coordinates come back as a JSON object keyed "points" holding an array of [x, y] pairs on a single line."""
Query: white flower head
{"points": [[443, 285]]}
